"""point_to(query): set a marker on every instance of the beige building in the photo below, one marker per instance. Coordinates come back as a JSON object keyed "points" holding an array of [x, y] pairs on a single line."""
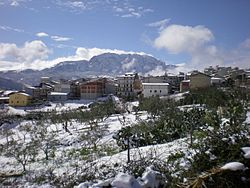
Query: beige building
{"points": [[19, 99], [199, 80], [128, 84]]}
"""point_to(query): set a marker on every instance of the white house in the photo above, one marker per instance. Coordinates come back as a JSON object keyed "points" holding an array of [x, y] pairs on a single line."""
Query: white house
{"points": [[155, 89], [57, 96]]}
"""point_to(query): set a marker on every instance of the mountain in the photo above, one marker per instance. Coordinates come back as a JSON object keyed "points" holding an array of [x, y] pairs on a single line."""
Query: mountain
{"points": [[109, 64], [8, 84]]}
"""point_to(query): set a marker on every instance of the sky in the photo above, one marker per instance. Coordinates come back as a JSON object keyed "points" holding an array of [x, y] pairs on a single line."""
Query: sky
{"points": [[191, 33]]}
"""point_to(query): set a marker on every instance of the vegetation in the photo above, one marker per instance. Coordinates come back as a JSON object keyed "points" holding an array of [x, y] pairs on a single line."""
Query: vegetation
{"points": [[213, 121]]}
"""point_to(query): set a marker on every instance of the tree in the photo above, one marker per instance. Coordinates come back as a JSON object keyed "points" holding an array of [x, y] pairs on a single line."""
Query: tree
{"points": [[45, 138], [152, 105], [193, 120], [24, 149]]}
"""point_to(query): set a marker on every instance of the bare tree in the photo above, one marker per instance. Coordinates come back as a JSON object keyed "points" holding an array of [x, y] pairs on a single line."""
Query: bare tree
{"points": [[22, 147]]}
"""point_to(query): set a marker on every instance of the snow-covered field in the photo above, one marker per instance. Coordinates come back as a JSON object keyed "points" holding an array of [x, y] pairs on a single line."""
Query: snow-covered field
{"points": [[67, 158], [51, 106]]}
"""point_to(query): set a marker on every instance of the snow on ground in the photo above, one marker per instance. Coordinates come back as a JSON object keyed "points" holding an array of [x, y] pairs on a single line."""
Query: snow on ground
{"points": [[65, 163], [16, 110], [160, 151], [51, 106], [68, 105], [248, 117], [176, 97], [234, 166], [115, 125], [246, 151], [69, 141]]}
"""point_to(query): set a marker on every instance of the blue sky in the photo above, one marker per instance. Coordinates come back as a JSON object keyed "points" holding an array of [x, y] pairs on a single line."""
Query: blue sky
{"points": [[195, 33]]}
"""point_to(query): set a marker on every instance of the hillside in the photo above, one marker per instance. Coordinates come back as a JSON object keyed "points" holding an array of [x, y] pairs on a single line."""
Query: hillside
{"points": [[109, 64], [8, 84]]}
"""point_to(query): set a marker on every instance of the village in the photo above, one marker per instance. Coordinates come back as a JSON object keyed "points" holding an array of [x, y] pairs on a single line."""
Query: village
{"points": [[152, 130], [129, 86]]}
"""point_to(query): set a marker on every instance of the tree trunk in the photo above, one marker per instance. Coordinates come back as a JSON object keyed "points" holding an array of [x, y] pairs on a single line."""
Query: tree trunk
{"points": [[191, 136], [128, 154]]}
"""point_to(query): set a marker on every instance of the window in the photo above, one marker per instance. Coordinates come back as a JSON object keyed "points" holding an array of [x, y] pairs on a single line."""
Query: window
{"points": [[150, 91], [160, 91], [155, 91]]}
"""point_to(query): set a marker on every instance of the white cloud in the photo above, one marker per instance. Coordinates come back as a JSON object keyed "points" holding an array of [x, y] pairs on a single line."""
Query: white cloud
{"points": [[148, 10], [8, 28], [157, 71], [161, 24], [34, 54], [42, 34], [127, 16], [13, 56], [88, 53], [129, 10], [179, 38], [14, 3], [60, 38], [245, 44], [74, 6], [196, 42], [117, 9], [129, 65], [132, 14]]}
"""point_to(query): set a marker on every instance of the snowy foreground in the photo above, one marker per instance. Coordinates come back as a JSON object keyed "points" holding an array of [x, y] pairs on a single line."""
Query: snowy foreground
{"points": [[64, 163]]}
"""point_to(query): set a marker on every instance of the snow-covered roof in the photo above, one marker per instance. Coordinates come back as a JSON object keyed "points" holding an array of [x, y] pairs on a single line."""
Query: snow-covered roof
{"points": [[155, 84], [30, 87], [7, 92], [216, 78], [4, 98], [185, 81], [58, 93], [22, 93]]}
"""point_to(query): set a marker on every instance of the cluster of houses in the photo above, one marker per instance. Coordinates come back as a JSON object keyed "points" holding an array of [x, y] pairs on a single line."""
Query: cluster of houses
{"points": [[127, 85], [218, 77]]}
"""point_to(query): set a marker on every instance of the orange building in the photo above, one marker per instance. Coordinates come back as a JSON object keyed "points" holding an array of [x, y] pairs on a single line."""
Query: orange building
{"points": [[92, 89]]}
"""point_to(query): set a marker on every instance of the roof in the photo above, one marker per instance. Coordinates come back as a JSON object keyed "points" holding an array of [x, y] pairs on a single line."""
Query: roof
{"points": [[198, 73], [58, 93], [4, 98], [155, 84], [216, 78], [8, 92], [29, 86], [185, 81], [22, 93]]}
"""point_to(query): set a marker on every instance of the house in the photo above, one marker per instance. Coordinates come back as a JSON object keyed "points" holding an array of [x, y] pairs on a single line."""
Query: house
{"points": [[57, 96], [19, 99], [74, 90], [62, 86], [92, 89], [154, 79], [39, 92], [184, 85], [155, 89], [110, 86], [199, 80], [4, 100], [126, 86], [217, 80], [137, 84]]}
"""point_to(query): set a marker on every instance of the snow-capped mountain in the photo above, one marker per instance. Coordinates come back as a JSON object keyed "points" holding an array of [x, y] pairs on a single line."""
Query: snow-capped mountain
{"points": [[105, 64]]}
